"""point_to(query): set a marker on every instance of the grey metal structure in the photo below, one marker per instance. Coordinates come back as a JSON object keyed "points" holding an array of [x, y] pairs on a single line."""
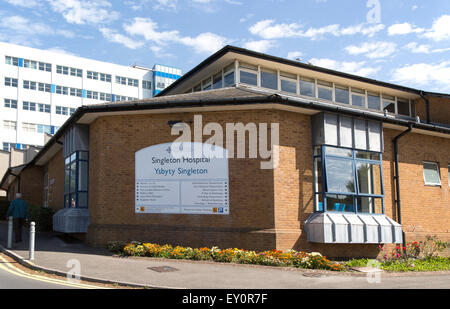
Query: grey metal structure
{"points": [[350, 132], [76, 139], [71, 220], [331, 227]]}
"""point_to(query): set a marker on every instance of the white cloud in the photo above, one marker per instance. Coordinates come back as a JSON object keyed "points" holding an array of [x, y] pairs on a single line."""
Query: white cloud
{"points": [[115, 37], [247, 17], [267, 29], [203, 43], [21, 25], [84, 11], [261, 46], [436, 76], [363, 29], [404, 28], [440, 29], [23, 3], [166, 4], [294, 55], [147, 28], [373, 50], [414, 47], [350, 67]]}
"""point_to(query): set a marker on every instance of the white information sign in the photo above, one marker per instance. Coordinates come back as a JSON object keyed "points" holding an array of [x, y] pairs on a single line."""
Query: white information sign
{"points": [[181, 184]]}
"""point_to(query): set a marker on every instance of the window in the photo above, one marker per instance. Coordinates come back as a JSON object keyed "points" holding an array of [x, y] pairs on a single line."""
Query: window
{"points": [[146, 84], [307, 87], [11, 82], [10, 103], [403, 107], [389, 103], [12, 60], [269, 79], [45, 66], [207, 84], [29, 106], [76, 178], [44, 87], [62, 90], [105, 77], [61, 110], [76, 72], [9, 146], [373, 101], [325, 90], [29, 85], [72, 111], [358, 97], [29, 64], [9, 125], [341, 94], [248, 74], [121, 80], [44, 108], [44, 129], [29, 127], [431, 173], [217, 81], [228, 76], [348, 180], [288, 82]]}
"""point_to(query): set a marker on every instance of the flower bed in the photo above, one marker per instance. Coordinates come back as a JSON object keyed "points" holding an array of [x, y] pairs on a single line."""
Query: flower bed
{"points": [[290, 258]]}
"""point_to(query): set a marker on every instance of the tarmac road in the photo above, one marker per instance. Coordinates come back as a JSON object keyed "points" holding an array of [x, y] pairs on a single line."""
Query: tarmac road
{"points": [[14, 278]]}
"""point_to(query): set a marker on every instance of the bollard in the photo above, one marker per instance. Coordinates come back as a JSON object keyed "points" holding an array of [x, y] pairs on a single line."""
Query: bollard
{"points": [[10, 232], [32, 234]]}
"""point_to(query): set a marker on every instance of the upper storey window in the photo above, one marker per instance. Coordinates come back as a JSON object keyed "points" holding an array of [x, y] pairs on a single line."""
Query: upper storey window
{"points": [[291, 83]]}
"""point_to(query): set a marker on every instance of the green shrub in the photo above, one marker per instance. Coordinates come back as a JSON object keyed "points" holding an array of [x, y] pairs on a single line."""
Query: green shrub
{"points": [[115, 246], [42, 216]]}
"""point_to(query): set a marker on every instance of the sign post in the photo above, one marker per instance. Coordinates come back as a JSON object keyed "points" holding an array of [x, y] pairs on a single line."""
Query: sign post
{"points": [[181, 184]]}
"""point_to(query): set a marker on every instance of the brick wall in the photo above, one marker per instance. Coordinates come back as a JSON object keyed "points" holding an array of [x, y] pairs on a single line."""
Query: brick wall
{"points": [[113, 143], [56, 182], [439, 110], [267, 207]]}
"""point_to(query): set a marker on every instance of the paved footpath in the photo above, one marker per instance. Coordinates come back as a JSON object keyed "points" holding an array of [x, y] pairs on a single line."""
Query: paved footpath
{"points": [[52, 252]]}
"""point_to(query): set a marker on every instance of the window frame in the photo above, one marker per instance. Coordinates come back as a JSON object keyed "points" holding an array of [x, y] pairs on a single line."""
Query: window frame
{"points": [[76, 158], [320, 153], [438, 174]]}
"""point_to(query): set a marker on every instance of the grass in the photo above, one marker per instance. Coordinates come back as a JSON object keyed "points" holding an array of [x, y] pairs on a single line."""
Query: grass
{"points": [[428, 264]]}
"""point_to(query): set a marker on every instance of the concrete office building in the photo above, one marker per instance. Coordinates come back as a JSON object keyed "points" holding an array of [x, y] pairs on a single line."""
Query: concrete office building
{"points": [[361, 163], [40, 89]]}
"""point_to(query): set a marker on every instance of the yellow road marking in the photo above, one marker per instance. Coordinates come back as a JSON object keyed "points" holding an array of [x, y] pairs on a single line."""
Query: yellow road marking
{"points": [[15, 271]]}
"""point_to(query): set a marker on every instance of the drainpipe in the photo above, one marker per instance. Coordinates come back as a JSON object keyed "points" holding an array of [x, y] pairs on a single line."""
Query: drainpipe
{"points": [[397, 179], [427, 106]]}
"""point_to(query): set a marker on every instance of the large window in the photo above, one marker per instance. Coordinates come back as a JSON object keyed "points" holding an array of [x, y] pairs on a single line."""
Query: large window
{"points": [[348, 180], [431, 174], [76, 180], [248, 74]]}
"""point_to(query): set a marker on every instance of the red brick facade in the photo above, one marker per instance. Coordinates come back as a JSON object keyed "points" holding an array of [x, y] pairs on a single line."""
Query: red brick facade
{"points": [[268, 208]]}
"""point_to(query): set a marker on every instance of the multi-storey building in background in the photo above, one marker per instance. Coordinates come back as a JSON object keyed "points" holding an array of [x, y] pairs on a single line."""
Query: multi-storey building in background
{"points": [[40, 89]]}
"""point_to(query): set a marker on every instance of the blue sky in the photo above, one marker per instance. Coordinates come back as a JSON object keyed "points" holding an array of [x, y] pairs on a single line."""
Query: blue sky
{"points": [[401, 41]]}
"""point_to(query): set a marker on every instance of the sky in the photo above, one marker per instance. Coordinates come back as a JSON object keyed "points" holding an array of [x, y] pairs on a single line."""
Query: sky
{"points": [[405, 42]]}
